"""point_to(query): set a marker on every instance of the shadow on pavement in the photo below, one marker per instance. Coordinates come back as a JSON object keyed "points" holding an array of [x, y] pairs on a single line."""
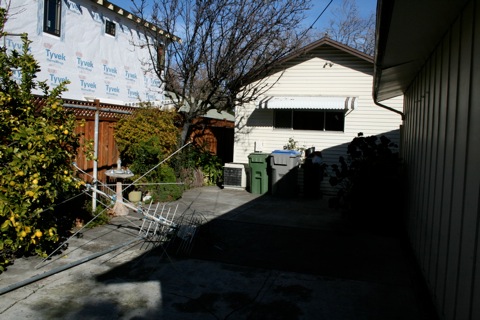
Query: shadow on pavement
{"points": [[268, 257]]}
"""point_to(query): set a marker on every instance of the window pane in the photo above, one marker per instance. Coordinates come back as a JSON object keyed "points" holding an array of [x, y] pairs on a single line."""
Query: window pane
{"points": [[110, 28], [283, 119], [161, 56], [334, 121], [51, 16], [308, 120]]}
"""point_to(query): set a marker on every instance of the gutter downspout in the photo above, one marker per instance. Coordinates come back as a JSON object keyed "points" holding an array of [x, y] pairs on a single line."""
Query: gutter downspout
{"points": [[384, 15], [388, 108], [393, 110]]}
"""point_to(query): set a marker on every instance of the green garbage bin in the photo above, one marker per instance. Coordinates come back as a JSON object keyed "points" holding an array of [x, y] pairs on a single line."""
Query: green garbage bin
{"points": [[258, 163]]}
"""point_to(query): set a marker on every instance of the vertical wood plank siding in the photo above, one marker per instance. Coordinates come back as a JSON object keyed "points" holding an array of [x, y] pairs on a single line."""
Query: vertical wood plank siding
{"points": [[108, 117], [107, 150], [441, 149], [215, 136]]}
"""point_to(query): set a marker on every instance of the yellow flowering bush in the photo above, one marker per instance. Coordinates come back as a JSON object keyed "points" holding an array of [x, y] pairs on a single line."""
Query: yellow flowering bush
{"points": [[36, 153]]}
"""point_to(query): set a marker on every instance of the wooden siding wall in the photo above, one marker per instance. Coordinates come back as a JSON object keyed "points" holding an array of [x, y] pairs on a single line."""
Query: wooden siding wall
{"points": [[215, 136], [107, 149], [348, 76], [442, 154]]}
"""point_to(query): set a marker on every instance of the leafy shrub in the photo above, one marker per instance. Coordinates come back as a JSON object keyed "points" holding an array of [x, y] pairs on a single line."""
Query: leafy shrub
{"points": [[211, 167], [147, 156], [102, 216], [91, 219], [145, 124], [369, 179], [36, 153], [166, 192], [145, 140], [293, 145], [198, 167]]}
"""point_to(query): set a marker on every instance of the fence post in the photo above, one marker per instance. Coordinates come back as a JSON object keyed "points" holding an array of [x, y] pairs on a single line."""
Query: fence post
{"points": [[95, 155]]}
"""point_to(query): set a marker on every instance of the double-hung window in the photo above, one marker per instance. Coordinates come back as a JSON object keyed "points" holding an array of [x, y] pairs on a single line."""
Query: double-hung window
{"points": [[52, 16]]}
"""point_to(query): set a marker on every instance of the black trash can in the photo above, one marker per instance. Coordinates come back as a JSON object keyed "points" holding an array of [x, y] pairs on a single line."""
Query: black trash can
{"points": [[313, 175]]}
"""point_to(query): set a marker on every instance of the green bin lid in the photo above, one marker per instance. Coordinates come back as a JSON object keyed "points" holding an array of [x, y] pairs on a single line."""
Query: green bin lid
{"points": [[258, 157]]}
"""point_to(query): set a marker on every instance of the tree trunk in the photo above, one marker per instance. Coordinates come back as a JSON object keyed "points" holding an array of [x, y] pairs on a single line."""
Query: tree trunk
{"points": [[184, 134]]}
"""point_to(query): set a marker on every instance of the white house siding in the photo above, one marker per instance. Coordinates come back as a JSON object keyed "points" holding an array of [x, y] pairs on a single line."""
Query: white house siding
{"points": [[348, 76], [96, 64], [442, 153]]}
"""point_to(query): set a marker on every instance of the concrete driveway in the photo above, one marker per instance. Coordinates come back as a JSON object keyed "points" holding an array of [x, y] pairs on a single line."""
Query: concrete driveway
{"points": [[252, 257]]}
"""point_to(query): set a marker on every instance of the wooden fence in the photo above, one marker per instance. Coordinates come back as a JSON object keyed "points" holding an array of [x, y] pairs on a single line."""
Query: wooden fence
{"points": [[214, 135], [107, 150], [107, 154]]}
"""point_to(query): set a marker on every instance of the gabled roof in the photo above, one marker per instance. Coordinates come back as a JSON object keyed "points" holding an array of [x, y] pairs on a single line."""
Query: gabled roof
{"points": [[407, 33], [304, 51], [130, 16], [326, 41]]}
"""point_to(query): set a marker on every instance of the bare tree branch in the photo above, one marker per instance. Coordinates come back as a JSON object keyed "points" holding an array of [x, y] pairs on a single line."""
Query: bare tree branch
{"points": [[350, 28], [225, 44]]}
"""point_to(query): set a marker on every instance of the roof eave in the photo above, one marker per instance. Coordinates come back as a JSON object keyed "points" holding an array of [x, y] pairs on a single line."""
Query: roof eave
{"points": [[130, 16], [260, 73], [326, 41], [407, 33]]}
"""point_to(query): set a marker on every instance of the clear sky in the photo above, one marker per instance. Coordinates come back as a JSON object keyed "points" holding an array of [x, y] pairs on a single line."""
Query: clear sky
{"points": [[366, 7]]}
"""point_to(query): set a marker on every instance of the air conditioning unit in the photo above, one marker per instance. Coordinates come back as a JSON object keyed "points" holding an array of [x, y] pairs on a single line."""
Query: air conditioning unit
{"points": [[234, 176]]}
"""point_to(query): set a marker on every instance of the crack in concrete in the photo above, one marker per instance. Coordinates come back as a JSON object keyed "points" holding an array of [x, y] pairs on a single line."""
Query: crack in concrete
{"points": [[23, 299]]}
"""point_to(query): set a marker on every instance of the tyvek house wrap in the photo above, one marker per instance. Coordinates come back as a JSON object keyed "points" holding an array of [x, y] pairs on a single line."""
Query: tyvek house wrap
{"points": [[111, 68]]}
